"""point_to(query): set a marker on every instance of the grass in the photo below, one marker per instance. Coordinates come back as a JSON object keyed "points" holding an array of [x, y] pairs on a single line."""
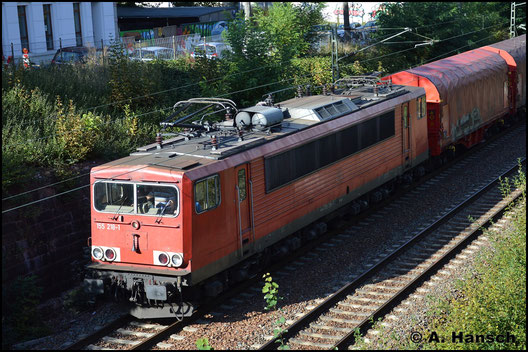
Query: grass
{"points": [[490, 300]]}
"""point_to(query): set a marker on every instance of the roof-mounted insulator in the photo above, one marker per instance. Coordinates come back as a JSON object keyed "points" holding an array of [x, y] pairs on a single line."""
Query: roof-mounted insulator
{"points": [[325, 90], [229, 115], [214, 142], [299, 92], [240, 135], [269, 100], [159, 140], [376, 90]]}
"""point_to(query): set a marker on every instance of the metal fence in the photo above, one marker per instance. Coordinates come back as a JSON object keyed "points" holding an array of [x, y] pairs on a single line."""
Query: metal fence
{"points": [[176, 46], [163, 48], [44, 51], [171, 47]]}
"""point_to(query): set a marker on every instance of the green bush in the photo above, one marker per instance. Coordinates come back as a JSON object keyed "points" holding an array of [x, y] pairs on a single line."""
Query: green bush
{"points": [[492, 300], [20, 319]]}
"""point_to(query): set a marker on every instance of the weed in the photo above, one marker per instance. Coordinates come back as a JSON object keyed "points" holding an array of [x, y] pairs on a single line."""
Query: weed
{"points": [[76, 300], [271, 292], [203, 344]]}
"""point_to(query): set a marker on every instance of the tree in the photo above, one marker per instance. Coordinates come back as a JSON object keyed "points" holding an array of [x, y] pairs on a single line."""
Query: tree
{"points": [[197, 3], [270, 40], [132, 4], [458, 27]]}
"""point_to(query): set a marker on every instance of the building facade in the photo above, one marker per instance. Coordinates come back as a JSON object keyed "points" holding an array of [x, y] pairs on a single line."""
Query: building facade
{"points": [[44, 27]]}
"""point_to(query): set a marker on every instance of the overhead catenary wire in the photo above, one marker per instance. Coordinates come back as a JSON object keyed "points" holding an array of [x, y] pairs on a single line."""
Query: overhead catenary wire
{"points": [[412, 48], [175, 88], [226, 94], [68, 179], [219, 96]]}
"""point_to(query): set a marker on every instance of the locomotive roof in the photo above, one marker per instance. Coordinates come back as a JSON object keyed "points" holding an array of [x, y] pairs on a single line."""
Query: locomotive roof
{"points": [[185, 153]]}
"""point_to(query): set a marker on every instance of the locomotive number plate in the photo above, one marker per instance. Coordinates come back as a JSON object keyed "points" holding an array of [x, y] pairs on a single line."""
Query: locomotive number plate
{"points": [[113, 227]]}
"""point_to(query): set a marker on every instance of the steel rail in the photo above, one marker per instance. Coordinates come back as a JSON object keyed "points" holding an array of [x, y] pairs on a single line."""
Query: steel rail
{"points": [[304, 322], [207, 307], [349, 339], [125, 319]]}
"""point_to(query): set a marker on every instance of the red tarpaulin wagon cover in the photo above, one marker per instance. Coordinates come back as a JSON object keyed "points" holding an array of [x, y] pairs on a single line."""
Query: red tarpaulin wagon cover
{"points": [[516, 49], [471, 89]]}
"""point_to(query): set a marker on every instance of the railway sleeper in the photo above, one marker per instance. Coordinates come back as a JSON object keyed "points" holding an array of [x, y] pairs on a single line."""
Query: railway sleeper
{"points": [[346, 312], [320, 336], [313, 344], [327, 327]]}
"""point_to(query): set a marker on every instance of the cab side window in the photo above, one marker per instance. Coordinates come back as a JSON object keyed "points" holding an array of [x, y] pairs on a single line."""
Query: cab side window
{"points": [[207, 193], [405, 115], [242, 184], [421, 106]]}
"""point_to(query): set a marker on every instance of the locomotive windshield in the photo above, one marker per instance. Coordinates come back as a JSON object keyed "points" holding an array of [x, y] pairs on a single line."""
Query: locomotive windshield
{"points": [[132, 198]]}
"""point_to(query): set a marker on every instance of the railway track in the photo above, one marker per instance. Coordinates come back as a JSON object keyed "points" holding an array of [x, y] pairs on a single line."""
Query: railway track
{"points": [[128, 333], [335, 323]]}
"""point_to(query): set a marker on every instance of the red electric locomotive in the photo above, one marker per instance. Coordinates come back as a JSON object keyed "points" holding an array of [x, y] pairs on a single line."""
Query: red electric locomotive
{"points": [[185, 217]]}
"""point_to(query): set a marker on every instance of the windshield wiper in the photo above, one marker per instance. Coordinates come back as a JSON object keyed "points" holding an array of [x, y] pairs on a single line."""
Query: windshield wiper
{"points": [[118, 210], [158, 220]]}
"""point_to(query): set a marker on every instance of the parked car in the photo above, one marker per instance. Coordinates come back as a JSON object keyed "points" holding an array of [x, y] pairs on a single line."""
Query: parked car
{"points": [[71, 55], [212, 50], [150, 53], [341, 28], [370, 26]]}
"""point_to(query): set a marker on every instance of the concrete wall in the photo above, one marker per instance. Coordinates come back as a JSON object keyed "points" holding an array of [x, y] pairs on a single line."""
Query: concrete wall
{"points": [[49, 238]]}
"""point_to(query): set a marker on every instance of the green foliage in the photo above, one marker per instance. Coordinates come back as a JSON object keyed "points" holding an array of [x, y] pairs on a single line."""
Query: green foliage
{"points": [[271, 296], [287, 26], [271, 292], [438, 20], [76, 300], [312, 70], [493, 299], [20, 320], [269, 41], [76, 134], [126, 80], [203, 344], [111, 109], [278, 332], [27, 118]]}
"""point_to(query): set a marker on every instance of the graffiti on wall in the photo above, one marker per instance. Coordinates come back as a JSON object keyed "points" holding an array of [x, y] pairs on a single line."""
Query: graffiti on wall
{"points": [[138, 34], [467, 123]]}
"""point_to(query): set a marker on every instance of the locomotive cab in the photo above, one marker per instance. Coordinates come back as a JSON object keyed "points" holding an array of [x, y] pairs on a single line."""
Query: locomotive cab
{"points": [[137, 243]]}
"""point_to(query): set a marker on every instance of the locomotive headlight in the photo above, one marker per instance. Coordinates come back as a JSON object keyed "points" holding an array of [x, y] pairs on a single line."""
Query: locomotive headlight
{"points": [[177, 259], [97, 253], [135, 224], [110, 254], [163, 259]]}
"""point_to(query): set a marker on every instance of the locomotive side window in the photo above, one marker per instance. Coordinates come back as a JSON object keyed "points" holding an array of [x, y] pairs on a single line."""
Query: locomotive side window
{"points": [[298, 162], [114, 197], [156, 200], [207, 193], [242, 184], [405, 115], [421, 107]]}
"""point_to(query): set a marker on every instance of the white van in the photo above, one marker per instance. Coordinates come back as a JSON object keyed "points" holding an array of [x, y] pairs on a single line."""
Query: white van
{"points": [[212, 50]]}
